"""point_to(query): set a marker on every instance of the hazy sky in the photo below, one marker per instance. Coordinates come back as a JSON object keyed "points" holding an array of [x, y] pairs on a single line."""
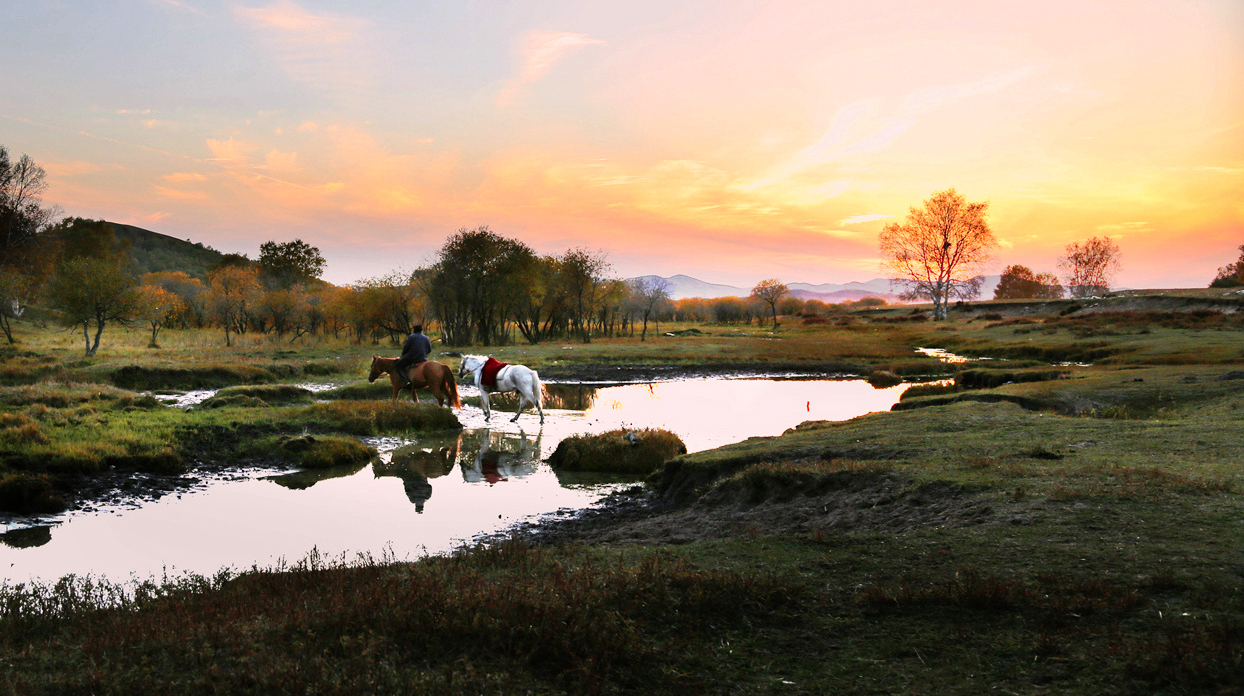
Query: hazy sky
{"points": [[726, 139]]}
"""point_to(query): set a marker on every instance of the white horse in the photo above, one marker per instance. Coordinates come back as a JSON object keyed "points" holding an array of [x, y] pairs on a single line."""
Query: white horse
{"points": [[512, 378]]}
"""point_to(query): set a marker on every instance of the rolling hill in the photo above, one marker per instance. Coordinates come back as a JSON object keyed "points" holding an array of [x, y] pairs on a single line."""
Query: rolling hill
{"points": [[155, 252]]}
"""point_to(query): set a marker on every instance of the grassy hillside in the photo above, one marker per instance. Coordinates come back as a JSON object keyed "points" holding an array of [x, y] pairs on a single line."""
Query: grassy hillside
{"points": [[159, 252]]}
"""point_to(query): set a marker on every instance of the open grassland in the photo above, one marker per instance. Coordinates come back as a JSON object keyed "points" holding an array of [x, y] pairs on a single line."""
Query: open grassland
{"points": [[1031, 528]]}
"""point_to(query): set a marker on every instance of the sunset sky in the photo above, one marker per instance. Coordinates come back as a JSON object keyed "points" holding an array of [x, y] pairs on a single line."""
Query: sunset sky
{"points": [[729, 140]]}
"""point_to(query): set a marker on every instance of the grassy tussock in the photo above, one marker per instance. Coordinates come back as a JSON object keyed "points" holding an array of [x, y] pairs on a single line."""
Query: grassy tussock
{"points": [[64, 395], [259, 396], [502, 619], [932, 389], [317, 452], [613, 452]]}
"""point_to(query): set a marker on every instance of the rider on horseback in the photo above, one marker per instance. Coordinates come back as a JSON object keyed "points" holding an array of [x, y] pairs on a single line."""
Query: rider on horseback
{"points": [[414, 351]]}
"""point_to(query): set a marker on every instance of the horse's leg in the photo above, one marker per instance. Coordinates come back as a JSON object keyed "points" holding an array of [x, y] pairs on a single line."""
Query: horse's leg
{"points": [[535, 399], [483, 398], [521, 405], [438, 390]]}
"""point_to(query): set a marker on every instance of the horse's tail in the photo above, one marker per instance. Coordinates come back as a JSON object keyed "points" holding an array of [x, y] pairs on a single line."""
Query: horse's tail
{"points": [[538, 388], [451, 388]]}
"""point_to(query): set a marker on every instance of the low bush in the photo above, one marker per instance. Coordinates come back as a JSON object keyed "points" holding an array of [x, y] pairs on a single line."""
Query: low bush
{"points": [[618, 451]]}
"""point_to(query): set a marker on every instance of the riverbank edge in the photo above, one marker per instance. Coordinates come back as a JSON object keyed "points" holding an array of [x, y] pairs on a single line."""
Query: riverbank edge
{"points": [[123, 489]]}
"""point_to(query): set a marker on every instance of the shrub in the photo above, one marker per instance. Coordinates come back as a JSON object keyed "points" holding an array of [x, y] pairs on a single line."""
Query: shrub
{"points": [[621, 451]]}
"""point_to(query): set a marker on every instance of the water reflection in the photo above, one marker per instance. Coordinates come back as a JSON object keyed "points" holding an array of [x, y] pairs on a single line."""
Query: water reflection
{"points": [[301, 480], [501, 457], [567, 397], [415, 464], [453, 487], [27, 537]]}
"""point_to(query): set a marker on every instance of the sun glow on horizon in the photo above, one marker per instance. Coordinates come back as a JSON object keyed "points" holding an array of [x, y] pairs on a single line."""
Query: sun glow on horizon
{"points": [[731, 144]]}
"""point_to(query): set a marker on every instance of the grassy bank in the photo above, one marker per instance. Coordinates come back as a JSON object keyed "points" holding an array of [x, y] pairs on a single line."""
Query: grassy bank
{"points": [[1032, 528]]}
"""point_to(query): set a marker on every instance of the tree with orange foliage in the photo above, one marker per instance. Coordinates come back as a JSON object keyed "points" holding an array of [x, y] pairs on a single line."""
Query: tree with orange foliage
{"points": [[157, 307], [770, 292], [939, 251], [232, 292]]}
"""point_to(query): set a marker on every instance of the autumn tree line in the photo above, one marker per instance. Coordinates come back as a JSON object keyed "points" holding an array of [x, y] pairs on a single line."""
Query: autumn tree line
{"points": [[481, 289]]}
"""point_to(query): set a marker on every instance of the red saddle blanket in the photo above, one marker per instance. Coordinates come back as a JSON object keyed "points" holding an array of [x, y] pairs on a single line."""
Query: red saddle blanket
{"points": [[489, 376]]}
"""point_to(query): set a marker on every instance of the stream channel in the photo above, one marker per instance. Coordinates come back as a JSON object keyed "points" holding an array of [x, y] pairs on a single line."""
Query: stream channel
{"points": [[423, 495]]}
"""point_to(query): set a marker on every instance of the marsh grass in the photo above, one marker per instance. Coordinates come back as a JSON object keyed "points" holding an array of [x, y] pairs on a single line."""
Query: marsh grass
{"points": [[498, 619], [1106, 560]]}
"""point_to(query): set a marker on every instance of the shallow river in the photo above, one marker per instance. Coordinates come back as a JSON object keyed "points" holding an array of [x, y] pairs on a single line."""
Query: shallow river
{"points": [[424, 495]]}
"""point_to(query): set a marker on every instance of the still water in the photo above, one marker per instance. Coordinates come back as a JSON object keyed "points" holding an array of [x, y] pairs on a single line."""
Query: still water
{"points": [[424, 495]]}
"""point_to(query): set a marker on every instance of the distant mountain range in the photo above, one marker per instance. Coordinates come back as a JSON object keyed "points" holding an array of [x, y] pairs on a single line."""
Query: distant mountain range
{"points": [[683, 286]]}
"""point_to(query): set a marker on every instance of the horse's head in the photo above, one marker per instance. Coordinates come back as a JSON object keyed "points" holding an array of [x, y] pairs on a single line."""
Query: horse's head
{"points": [[470, 363], [376, 370]]}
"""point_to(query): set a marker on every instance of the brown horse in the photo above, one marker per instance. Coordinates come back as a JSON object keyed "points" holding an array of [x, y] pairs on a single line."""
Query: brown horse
{"points": [[426, 375]]}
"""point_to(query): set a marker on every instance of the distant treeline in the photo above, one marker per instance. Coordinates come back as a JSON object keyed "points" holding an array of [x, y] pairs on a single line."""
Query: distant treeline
{"points": [[482, 289]]}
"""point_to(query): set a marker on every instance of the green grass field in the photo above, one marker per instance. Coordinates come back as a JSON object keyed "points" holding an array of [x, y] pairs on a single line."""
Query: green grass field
{"points": [[1072, 535]]}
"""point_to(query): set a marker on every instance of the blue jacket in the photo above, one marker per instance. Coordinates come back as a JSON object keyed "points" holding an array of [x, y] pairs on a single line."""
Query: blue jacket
{"points": [[416, 348]]}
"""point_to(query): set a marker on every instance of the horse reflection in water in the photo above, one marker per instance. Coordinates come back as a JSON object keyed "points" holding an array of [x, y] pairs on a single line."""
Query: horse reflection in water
{"points": [[415, 464], [498, 461]]}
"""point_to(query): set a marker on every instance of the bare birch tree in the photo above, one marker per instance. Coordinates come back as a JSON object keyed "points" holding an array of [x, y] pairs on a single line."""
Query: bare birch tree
{"points": [[938, 252], [1090, 266]]}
